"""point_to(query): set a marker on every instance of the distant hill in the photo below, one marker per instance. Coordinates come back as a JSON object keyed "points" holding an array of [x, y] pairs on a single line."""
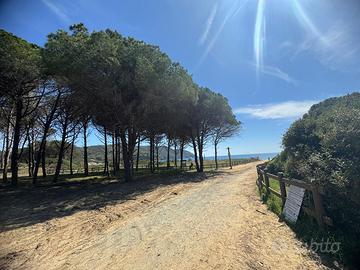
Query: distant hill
{"points": [[96, 153]]}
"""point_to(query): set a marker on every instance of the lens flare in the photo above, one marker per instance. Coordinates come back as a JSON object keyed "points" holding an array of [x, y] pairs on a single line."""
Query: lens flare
{"points": [[259, 35]]}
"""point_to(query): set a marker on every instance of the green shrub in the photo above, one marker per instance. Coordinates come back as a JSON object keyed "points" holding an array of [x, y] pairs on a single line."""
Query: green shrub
{"points": [[324, 146]]}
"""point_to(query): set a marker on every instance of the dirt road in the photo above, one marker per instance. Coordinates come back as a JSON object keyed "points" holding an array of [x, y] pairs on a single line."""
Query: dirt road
{"points": [[212, 223]]}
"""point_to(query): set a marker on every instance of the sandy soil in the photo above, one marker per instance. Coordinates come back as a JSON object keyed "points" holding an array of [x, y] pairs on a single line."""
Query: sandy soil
{"points": [[207, 222]]}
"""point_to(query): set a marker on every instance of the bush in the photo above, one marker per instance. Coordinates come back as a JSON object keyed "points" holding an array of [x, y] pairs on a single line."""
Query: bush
{"points": [[325, 146]]}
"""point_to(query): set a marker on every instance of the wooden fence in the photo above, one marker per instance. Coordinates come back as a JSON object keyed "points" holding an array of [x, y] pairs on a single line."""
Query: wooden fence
{"points": [[316, 193]]}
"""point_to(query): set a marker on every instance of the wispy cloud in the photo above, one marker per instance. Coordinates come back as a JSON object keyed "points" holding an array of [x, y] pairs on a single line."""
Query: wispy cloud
{"points": [[59, 11], [286, 44], [232, 12], [208, 24], [306, 22], [259, 42], [338, 52], [278, 73], [282, 110], [334, 48]]}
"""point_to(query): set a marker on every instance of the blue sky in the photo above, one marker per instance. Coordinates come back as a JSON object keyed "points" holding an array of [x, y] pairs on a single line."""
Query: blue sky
{"points": [[271, 58]]}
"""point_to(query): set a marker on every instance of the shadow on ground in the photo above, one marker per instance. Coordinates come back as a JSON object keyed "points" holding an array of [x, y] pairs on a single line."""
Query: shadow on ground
{"points": [[27, 206]]}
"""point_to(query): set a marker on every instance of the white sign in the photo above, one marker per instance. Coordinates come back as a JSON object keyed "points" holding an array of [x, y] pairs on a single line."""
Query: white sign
{"points": [[293, 203]]}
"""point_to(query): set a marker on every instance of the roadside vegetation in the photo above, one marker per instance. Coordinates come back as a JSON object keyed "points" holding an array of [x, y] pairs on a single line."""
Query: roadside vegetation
{"points": [[96, 173], [324, 146], [129, 91]]}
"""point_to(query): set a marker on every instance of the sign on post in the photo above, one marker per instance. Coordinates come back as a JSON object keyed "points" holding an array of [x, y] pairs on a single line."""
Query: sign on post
{"points": [[293, 203]]}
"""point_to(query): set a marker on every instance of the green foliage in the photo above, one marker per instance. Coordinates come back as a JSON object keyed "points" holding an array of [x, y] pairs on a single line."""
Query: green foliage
{"points": [[133, 89], [324, 146], [20, 65], [127, 88], [307, 230], [274, 204]]}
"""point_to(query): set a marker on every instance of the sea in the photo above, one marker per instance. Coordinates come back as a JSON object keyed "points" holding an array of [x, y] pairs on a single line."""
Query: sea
{"points": [[261, 156]]}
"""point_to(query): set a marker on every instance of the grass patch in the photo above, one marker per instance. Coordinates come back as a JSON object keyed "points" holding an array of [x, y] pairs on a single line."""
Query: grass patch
{"points": [[273, 202], [274, 184]]}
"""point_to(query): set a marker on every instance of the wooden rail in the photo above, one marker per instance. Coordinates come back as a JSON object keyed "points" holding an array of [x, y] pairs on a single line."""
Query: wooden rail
{"points": [[316, 190]]}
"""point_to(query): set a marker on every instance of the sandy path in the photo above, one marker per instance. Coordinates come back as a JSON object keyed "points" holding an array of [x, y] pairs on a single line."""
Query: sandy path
{"points": [[214, 224]]}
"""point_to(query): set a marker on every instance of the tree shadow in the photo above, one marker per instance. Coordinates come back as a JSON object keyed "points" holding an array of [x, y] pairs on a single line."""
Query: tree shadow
{"points": [[23, 207]]}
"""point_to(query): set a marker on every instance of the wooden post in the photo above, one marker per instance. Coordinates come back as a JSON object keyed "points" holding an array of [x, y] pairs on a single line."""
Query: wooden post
{"points": [[318, 204], [229, 155], [259, 181], [282, 189], [267, 184]]}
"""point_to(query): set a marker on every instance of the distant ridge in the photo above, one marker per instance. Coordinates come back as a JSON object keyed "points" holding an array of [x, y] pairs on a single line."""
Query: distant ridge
{"points": [[96, 153], [261, 156]]}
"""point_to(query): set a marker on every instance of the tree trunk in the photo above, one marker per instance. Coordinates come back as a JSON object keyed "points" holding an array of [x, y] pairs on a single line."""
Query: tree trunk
{"points": [[175, 159], [138, 154], [216, 159], [71, 155], [23, 145], [168, 155], [113, 152], [29, 155], [6, 152], [128, 175], [157, 155], [86, 164], [43, 161], [33, 149], [151, 154], [16, 141], [61, 151], [195, 154], [118, 158], [106, 165], [201, 157], [128, 146], [116, 155], [181, 153], [40, 156]]}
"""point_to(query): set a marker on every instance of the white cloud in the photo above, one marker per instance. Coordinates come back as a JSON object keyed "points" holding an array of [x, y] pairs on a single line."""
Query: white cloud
{"points": [[208, 25], [282, 110], [57, 10], [278, 73]]}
